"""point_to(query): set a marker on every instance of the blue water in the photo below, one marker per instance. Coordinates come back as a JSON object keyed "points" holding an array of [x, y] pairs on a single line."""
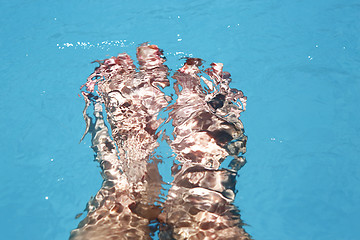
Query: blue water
{"points": [[297, 61]]}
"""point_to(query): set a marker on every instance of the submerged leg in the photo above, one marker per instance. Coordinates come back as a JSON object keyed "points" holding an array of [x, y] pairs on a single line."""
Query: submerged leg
{"points": [[124, 206], [109, 212], [207, 130]]}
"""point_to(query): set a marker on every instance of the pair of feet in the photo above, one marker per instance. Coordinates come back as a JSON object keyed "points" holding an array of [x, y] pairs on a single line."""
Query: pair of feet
{"points": [[207, 130]]}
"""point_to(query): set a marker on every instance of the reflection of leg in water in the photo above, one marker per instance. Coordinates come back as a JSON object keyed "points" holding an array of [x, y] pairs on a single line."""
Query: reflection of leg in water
{"points": [[207, 130], [124, 206]]}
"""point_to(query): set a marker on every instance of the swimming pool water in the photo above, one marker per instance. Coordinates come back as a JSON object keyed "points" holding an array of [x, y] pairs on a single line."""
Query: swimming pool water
{"points": [[297, 61]]}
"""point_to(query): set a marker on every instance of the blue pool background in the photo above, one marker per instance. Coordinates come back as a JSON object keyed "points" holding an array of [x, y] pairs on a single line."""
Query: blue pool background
{"points": [[297, 61]]}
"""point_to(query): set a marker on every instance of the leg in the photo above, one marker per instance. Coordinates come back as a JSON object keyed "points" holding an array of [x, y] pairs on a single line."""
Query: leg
{"points": [[124, 206], [207, 130]]}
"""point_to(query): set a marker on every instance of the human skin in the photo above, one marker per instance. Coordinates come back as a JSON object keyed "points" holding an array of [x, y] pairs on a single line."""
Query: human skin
{"points": [[125, 204], [207, 130]]}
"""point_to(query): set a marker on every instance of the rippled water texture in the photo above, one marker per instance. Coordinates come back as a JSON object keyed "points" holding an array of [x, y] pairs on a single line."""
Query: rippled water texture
{"points": [[296, 61], [207, 130]]}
